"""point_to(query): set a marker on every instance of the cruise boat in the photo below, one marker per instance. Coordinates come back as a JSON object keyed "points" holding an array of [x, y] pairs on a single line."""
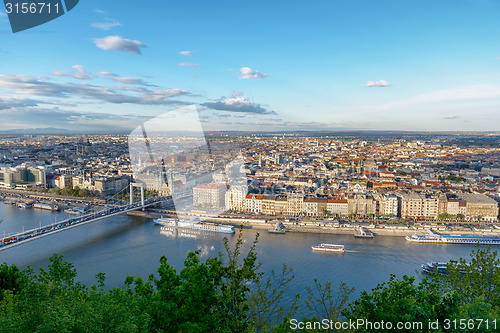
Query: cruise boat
{"points": [[362, 232], [434, 237], [328, 248], [431, 267], [440, 267], [196, 225], [53, 208]]}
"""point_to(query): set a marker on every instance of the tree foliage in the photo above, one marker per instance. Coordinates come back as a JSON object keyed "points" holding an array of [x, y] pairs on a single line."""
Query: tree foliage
{"points": [[211, 296], [229, 293]]}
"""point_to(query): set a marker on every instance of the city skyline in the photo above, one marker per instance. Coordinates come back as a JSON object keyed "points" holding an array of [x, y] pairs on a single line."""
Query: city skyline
{"points": [[417, 66]]}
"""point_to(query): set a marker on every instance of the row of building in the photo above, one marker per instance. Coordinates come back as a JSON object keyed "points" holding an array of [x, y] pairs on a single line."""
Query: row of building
{"points": [[404, 204]]}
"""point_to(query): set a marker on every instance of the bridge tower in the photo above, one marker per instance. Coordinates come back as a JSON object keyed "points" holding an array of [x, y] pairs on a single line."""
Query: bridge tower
{"points": [[136, 185]]}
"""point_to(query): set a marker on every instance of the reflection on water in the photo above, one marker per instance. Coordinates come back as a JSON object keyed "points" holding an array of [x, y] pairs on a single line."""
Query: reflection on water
{"points": [[173, 232]]}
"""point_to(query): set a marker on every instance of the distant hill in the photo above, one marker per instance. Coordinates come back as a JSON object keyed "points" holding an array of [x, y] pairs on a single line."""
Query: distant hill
{"points": [[36, 131], [59, 131]]}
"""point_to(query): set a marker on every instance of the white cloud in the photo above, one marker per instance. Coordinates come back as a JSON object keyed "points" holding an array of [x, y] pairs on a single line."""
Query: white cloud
{"points": [[237, 104], [7, 103], [127, 80], [3, 14], [110, 24], [37, 86], [130, 80], [99, 11], [186, 53], [380, 83], [119, 44], [108, 73], [60, 73], [187, 64], [79, 68], [248, 73], [80, 74], [451, 117]]}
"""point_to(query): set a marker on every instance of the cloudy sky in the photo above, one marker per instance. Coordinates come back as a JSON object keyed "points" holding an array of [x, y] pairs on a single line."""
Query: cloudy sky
{"points": [[258, 66]]}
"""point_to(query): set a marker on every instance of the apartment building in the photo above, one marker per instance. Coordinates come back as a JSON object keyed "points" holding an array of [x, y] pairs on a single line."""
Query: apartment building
{"points": [[361, 205], [337, 206], [269, 204], [210, 195], [295, 204], [389, 205], [253, 203], [311, 206], [430, 206], [480, 207], [280, 205], [235, 198], [411, 205]]}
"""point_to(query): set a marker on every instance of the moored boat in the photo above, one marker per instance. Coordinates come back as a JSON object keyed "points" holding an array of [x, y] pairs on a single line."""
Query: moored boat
{"points": [[434, 266], [454, 239], [53, 208], [362, 232], [196, 225], [329, 248], [440, 267]]}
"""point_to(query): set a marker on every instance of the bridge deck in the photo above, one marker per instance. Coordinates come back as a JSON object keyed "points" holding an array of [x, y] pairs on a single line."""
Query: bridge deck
{"points": [[50, 229]]}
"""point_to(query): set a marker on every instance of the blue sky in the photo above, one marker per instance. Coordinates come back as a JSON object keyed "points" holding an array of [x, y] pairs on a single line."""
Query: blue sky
{"points": [[260, 65]]}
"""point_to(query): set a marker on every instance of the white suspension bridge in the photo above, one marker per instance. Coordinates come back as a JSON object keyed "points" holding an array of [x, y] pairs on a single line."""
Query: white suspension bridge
{"points": [[29, 235]]}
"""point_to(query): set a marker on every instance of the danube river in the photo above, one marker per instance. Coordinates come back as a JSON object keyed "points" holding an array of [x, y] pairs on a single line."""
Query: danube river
{"points": [[124, 245]]}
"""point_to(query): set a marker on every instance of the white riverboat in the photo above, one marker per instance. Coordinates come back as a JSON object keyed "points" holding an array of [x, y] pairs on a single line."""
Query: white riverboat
{"points": [[53, 208], [196, 225], [434, 237], [329, 248]]}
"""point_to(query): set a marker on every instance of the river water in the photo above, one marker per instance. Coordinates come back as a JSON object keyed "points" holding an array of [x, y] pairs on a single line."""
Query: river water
{"points": [[124, 245]]}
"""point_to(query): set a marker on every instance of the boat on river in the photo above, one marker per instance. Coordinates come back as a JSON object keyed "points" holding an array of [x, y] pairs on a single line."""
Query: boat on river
{"points": [[52, 208], [362, 232], [329, 248], [435, 237], [195, 224], [434, 266]]}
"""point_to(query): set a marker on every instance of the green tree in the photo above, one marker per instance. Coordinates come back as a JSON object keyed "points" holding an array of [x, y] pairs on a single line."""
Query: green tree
{"points": [[325, 304], [478, 278], [444, 216], [403, 301], [67, 191], [265, 303], [11, 279], [83, 192], [55, 190]]}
